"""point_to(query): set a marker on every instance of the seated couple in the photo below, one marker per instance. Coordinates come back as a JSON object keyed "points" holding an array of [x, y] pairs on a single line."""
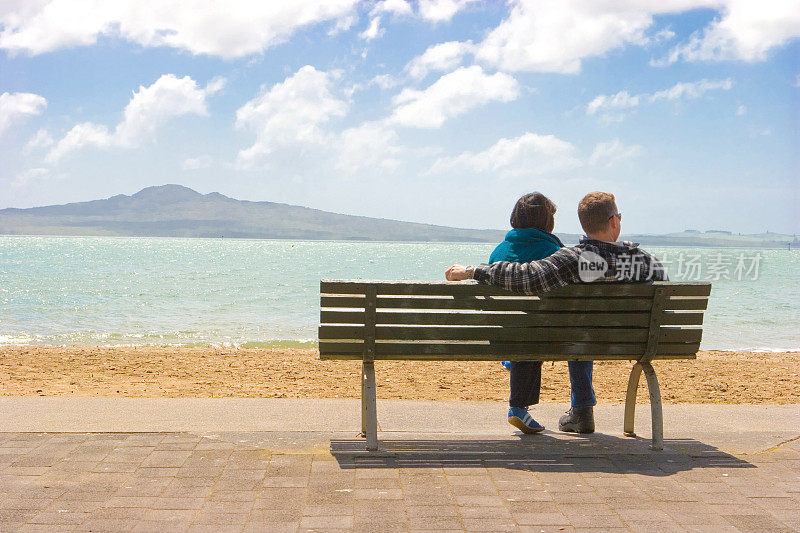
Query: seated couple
{"points": [[532, 260]]}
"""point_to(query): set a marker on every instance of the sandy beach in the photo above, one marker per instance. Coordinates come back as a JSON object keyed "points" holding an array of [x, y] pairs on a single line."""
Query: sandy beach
{"points": [[714, 377]]}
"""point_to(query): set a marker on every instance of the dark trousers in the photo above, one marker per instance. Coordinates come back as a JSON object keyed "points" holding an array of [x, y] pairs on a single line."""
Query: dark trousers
{"points": [[580, 383], [525, 382]]}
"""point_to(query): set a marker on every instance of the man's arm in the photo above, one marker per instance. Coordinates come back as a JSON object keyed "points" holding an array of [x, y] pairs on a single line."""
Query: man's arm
{"points": [[543, 275]]}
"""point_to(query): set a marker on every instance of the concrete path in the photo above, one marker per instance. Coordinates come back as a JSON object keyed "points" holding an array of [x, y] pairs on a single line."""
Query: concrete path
{"points": [[118, 464]]}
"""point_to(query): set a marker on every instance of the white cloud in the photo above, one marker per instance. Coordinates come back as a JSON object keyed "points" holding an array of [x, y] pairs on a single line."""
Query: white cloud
{"points": [[28, 176], [227, 29], [741, 110], [395, 7], [373, 30], [18, 107], [289, 114], [149, 108], [41, 140], [384, 81], [195, 163], [555, 35], [691, 90], [747, 30], [612, 107], [621, 100], [451, 95], [439, 57], [529, 154], [369, 148], [80, 136], [612, 153], [441, 10]]}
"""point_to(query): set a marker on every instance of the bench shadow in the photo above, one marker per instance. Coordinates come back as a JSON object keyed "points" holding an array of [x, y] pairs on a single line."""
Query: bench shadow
{"points": [[538, 453]]}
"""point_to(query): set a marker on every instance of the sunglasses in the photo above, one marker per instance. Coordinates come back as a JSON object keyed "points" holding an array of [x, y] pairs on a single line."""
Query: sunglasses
{"points": [[617, 215]]}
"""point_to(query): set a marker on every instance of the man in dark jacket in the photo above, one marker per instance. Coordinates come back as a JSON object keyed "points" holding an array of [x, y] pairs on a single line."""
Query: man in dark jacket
{"points": [[598, 257]]}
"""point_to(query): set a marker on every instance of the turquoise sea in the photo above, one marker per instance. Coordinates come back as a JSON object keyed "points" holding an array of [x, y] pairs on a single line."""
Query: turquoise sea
{"points": [[228, 292]]}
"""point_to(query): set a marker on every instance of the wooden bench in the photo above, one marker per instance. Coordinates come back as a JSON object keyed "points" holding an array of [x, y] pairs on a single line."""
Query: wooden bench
{"points": [[464, 321]]}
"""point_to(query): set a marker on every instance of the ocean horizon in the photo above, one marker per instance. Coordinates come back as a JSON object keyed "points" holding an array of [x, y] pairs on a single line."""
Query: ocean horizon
{"points": [[249, 293]]}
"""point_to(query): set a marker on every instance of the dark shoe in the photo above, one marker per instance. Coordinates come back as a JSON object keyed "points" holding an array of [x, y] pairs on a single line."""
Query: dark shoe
{"points": [[577, 420]]}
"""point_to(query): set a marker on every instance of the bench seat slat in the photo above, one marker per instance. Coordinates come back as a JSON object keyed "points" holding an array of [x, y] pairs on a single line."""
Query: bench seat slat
{"points": [[639, 320], [445, 288], [671, 318], [504, 303], [568, 334], [453, 350], [686, 304]]}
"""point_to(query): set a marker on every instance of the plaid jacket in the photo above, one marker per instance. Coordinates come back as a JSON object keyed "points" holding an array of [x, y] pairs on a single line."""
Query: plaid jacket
{"points": [[623, 262]]}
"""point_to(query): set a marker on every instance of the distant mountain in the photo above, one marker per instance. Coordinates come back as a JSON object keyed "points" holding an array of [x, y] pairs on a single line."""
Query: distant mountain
{"points": [[177, 211]]}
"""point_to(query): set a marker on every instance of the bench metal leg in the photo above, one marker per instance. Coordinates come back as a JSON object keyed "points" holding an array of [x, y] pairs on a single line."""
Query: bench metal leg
{"points": [[657, 419], [369, 413], [630, 400]]}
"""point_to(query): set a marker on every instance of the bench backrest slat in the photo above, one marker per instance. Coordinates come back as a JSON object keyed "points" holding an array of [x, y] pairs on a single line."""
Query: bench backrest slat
{"points": [[441, 320]]}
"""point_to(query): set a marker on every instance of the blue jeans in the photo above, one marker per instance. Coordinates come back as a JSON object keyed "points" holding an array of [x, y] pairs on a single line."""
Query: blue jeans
{"points": [[580, 382]]}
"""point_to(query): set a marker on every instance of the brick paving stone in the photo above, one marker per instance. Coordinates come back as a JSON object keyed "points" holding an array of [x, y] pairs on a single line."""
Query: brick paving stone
{"points": [[576, 497], [275, 515], [143, 487], [422, 511], [775, 503], [484, 512], [755, 523], [282, 482], [655, 527], [232, 496], [104, 466], [326, 522], [280, 497], [215, 528], [378, 494], [118, 512], [166, 458], [328, 510], [30, 528], [159, 471], [169, 516], [474, 490], [218, 518], [488, 524], [130, 501], [434, 523], [541, 519], [316, 496], [376, 483], [162, 502], [25, 504], [691, 513], [150, 526], [193, 487], [107, 524], [525, 495]]}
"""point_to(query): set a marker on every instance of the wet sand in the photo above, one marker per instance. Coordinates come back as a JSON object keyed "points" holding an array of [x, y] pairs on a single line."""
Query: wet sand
{"points": [[714, 377]]}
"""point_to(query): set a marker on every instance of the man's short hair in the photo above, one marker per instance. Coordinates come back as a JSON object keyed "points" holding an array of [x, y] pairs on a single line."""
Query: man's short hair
{"points": [[534, 210], [595, 210]]}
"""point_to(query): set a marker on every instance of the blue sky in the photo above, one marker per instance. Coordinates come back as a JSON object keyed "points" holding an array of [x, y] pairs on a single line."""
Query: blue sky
{"points": [[438, 111]]}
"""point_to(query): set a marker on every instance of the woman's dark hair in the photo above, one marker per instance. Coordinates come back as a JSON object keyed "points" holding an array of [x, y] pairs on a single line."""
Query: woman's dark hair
{"points": [[534, 210]]}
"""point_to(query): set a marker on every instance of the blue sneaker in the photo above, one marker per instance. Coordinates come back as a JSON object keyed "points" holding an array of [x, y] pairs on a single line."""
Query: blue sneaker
{"points": [[522, 420]]}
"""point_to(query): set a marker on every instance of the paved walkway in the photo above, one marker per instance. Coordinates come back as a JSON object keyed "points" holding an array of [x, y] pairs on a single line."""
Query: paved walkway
{"points": [[97, 464]]}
